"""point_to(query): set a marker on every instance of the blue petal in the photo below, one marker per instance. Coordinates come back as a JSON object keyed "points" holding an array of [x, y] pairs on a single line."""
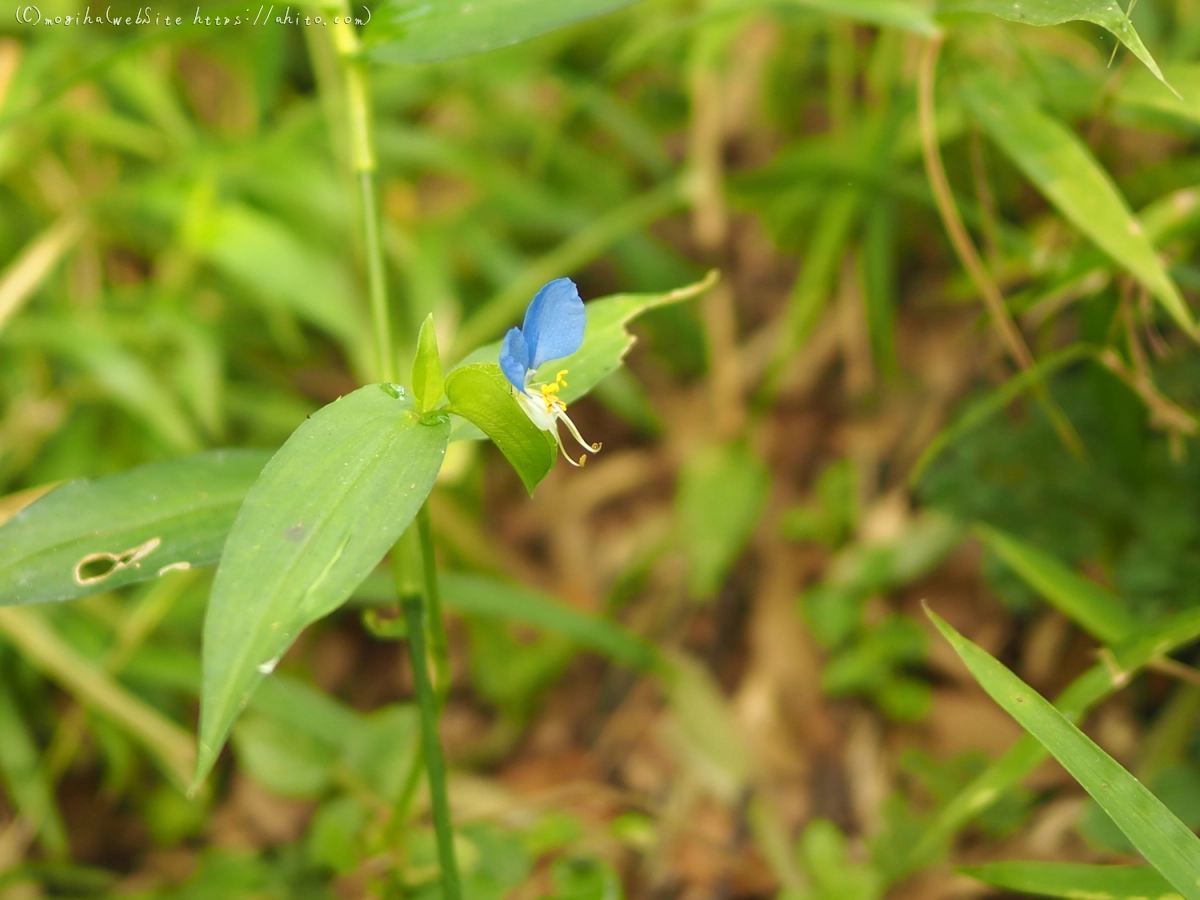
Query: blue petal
{"points": [[554, 322], [514, 358]]}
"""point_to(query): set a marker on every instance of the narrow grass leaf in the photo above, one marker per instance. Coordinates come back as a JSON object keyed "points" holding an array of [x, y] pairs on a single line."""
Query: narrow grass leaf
{"points": [[1085, 603], [43, 649], [911, 15], [416, 31], [321, 516], [1080, 697], [1073, 881], [722, 489], [1062, 167], [1105, 13], [481, 596], [96, 534], [25, 778], [482, 395], [1159, 836]]}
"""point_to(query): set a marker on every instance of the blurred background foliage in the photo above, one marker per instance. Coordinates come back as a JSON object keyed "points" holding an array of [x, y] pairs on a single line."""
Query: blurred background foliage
{"points": [[790, 462]]}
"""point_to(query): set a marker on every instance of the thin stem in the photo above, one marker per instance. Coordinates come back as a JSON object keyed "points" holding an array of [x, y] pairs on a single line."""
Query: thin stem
{"points": [[362, 160], [435, 762], [439, 643], [376, 279], [943, 196]]}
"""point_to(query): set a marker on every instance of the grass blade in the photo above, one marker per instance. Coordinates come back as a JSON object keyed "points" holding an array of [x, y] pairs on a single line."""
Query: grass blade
{"points": [[1069, 176], [1159, 836], [1089, 606], [1070, 880]]}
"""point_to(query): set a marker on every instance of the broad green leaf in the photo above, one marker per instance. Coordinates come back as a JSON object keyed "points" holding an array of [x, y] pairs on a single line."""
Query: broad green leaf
{"points": [[427, 379], [1086, 604], [1165, 842], [480, 596], [416, 31], [1072, 881], [1064, 170], [1105, 13], [321, 516], [912, 15], [24, 776], [722, 489], [482, 395], [606, 339], [99, 533]]}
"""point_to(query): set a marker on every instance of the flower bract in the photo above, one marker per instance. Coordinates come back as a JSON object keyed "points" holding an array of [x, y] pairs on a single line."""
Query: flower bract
{"points": [[553, 329]]}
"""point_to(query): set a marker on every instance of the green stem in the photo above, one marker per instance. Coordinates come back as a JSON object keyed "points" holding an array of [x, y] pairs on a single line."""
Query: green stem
{"points": [[362, 155], [376, 279], [439, 644], [435, 762]]}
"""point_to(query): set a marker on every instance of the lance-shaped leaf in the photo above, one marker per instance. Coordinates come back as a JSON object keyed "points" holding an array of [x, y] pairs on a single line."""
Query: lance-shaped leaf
{"points": [[482, 395], [416, 31], [100, 533], [1105, 13], [1165, 842], [321, 516], [1064, 170]]}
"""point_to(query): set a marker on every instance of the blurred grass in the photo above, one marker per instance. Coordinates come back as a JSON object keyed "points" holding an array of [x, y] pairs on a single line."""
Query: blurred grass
{"points": [[180, 270]]}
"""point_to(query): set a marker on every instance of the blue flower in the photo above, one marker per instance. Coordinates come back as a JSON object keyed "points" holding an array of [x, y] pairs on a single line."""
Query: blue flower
{"points": [[553, 329]]}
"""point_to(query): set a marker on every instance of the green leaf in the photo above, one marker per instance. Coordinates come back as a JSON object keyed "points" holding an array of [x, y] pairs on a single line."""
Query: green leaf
{"points": [[1071, 880], [99, 533], [911, 15], [263, 255], [722, 489], [321, 516], [1062, 167], [427, 380], [1159, 836], [1105, 13], [416, 31], [482, 395], [480, 596], [25, 777], [1092, 608], [284, 760]]}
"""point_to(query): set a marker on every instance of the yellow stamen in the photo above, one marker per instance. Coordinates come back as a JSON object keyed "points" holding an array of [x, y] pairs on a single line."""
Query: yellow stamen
{"points": [[559, 379]]}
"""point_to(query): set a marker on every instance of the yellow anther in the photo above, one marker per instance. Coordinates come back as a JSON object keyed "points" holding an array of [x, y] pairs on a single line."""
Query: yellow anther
{"points": [[559, 379], [582, 460]]}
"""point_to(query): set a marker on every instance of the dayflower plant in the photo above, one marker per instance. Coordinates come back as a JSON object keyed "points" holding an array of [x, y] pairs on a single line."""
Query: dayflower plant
{"points": [[553, 329]]}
